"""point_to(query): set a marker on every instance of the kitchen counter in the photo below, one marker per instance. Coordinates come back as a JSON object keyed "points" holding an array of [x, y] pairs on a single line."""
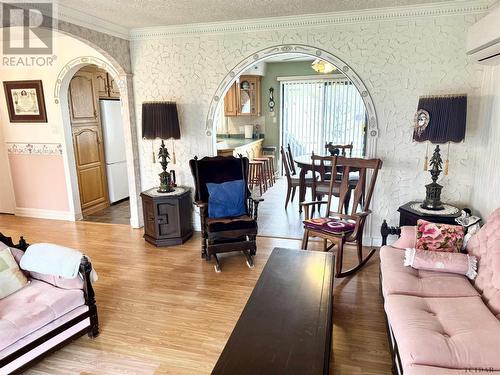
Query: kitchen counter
{"points": [[232, 143], [235, 146]]}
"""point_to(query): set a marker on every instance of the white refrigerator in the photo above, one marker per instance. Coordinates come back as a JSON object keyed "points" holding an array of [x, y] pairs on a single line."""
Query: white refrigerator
{"points": [[114, 149]]}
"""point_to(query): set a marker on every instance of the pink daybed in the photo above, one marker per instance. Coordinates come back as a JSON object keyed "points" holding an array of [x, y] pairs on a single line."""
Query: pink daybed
{"points": [[41, 317], [440, 323]]}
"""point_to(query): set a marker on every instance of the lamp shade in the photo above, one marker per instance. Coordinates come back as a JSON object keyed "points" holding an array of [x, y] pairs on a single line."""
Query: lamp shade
{"points": [[447, 116], [160, 120]]}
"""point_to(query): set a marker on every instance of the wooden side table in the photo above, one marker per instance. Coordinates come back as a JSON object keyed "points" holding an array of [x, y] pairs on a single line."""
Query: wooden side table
{"points": [[167, 216], [410, 212]]}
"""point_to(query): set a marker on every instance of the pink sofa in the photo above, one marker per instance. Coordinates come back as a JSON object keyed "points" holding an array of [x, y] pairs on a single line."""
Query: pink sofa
{"points": [[441, 323], [41, 317]]}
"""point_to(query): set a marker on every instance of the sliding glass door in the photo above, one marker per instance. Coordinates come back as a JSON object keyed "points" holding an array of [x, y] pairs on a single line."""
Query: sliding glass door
{"points": [[314, 112]]}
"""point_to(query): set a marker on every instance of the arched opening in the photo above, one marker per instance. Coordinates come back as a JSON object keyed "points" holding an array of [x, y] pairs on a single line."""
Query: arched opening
{"points": [[129, 133], [295, 49], [335, 107]]}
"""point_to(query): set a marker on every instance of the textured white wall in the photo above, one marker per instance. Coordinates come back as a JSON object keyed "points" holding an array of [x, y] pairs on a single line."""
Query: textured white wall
{"points": [[486, 191], [398, 59]]}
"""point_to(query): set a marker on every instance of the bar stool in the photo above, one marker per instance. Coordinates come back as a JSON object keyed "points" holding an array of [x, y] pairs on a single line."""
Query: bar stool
{"points": [[256, 175], [270, 152], [268, 169]]}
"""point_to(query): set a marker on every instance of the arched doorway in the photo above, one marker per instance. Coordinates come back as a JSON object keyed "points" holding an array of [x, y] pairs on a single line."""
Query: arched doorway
{"points": [[289, 224], [314, 52], [123, 81]]}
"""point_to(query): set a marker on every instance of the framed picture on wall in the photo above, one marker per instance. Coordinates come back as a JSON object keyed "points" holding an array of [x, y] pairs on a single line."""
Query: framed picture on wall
{"points": [[25, 101]]}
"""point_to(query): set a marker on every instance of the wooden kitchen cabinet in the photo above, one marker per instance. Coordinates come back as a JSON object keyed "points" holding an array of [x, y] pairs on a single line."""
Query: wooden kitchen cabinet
{"points": [[105, 85], [230, 106], [168, 217], [249, 96], [243, 98]]}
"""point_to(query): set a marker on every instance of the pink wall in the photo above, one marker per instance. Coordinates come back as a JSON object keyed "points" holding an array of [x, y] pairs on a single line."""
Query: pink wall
{"points": [[39, 181]]}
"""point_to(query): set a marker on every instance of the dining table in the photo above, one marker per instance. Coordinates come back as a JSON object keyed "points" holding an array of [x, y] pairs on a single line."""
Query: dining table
{"points": [[305, 164]]}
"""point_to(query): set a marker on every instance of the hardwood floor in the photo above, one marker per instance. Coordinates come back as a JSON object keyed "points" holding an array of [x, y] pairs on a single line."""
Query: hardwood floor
{"points": [[274, 220], [165, 310]]}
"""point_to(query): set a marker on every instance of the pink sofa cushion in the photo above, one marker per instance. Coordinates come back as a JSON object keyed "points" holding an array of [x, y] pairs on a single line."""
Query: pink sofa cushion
{"points": [[397, 279], [485, 245], [33, 307], [408, 238], [439, 237], [444, 332]]}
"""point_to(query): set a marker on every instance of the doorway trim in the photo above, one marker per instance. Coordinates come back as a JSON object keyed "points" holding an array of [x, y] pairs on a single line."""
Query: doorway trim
{"points": [[124, 82], [264, 54]]}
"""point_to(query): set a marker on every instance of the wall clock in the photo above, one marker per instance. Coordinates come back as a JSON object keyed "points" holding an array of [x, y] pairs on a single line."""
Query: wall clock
{"points": [[271, 100]]}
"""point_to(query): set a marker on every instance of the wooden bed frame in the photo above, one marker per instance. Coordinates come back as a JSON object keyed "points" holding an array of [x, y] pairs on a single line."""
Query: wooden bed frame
{"points": [[92, 330]]}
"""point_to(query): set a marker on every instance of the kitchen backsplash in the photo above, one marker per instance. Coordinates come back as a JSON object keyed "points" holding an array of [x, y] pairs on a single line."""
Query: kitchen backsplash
{"points": [[236, 125]]}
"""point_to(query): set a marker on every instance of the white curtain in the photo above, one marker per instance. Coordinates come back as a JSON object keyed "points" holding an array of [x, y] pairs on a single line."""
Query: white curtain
{"points": [[315, 112]]}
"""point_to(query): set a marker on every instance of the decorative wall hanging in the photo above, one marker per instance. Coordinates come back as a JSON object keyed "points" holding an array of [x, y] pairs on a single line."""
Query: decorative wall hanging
{"points": [[271, 100], [25, 101]]}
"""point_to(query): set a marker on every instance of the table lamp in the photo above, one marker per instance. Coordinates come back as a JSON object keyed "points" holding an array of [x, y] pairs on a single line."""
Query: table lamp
{"points": [[439, 120], [160, 120]]}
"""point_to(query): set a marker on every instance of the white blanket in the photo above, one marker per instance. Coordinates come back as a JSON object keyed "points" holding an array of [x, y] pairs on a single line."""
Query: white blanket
{"points": [[50, 259]]}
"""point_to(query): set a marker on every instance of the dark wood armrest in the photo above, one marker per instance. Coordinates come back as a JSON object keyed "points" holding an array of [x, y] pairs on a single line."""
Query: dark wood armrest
{"points": [[363, 213], [256, 199], [303, 204], [386, 230], [89, 294], [200, 204]]}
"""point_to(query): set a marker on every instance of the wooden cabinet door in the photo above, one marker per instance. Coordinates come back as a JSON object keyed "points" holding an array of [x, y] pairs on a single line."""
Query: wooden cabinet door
{"points": [[87, 143], [101, 83], [168, 219], [148, 206], [114, 90], [90, 168], [230, 105], [248, 96], [82, 99]]}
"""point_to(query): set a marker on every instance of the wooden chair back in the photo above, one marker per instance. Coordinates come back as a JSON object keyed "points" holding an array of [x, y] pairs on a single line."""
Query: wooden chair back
{"points": [[286, 164], [341, 149], [362, 192], [217, 169], [290, 161], [321, 166]]}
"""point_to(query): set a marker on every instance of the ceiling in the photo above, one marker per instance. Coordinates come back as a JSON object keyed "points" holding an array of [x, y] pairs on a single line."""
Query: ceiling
{"points": [[147, 13]]}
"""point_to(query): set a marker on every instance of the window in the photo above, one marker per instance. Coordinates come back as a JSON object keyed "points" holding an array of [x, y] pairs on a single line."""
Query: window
{"points": [[315, 112]]}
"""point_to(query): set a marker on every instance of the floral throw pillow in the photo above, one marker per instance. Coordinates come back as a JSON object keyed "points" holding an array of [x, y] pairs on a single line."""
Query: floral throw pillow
{"points": [[439, 237], [11, 277]]}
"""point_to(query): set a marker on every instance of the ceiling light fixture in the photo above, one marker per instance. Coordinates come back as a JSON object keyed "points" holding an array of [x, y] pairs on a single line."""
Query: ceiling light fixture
{"points": [[323, 67]]}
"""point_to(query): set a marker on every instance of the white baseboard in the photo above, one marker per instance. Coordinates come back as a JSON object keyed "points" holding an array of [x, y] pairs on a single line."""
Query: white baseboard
{"points": [[45, 214]]}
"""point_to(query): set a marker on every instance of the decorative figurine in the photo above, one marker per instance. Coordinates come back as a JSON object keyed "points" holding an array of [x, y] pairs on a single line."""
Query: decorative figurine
{"points": [[165, 177]]}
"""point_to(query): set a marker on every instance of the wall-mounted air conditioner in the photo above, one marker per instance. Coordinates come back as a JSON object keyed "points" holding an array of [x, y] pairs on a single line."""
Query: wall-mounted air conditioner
{"points": [[483, 39]]}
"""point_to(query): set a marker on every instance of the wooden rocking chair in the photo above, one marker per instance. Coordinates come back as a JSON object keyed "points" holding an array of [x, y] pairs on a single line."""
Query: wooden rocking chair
{"points": [[222, 235], [362, 198]]}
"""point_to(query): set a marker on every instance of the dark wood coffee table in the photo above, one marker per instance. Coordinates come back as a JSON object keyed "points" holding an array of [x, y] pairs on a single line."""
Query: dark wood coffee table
{"points": [[286, 325]]}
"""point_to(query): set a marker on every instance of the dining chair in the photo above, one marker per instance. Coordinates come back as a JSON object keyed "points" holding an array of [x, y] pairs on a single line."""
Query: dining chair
{"points": [[339, 150], [338, 227], [292, 182]]}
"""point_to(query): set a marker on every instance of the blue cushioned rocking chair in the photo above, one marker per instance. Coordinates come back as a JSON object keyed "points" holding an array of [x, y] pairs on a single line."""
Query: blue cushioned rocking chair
{"points": [[232, 233]]}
